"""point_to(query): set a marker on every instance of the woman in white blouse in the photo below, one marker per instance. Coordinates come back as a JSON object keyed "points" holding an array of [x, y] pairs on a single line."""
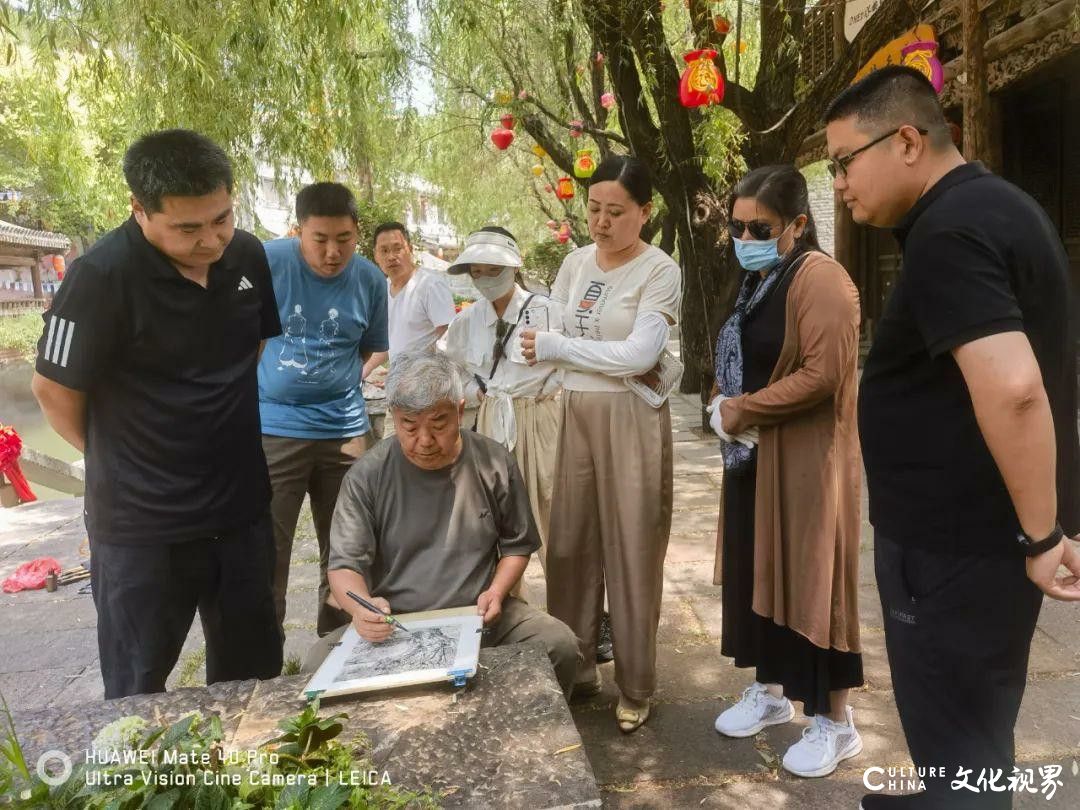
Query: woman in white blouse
{"points": [[611, 510], [517, 401]]}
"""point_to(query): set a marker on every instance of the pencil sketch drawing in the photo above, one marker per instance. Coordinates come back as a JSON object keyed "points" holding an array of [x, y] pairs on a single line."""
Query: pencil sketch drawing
{"points": [[426, 648]]}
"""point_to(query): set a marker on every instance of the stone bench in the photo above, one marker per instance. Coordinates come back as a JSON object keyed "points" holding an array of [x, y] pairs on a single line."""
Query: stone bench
{"points": [[504, 740]]}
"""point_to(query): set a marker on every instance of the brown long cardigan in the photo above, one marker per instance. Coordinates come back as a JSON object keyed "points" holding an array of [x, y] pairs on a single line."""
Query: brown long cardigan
{"points": [[806, 536]]}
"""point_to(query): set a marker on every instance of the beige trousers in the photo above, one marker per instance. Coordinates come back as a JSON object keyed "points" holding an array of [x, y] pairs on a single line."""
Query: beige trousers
{"points": [[610, 521], [535, 445]]}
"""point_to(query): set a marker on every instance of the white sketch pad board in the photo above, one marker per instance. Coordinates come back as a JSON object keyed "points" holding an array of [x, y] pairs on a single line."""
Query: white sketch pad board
{"points": [[449, 639]]}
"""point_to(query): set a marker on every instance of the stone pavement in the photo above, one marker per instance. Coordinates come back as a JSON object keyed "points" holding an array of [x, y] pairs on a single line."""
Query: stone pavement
{"points": [[676, 760]]}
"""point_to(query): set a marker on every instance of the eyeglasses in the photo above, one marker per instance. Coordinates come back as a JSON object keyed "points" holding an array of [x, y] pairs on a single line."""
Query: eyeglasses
{"points": [[758, 230], [838, 165]]}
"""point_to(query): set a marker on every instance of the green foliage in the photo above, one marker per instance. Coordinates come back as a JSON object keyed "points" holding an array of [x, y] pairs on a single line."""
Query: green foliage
{"points": [[306, 768], [305, 86], [53, 150], [21, 333], [292, 662], [13, 763], [371, 216], [543, 260], [306, 735]]}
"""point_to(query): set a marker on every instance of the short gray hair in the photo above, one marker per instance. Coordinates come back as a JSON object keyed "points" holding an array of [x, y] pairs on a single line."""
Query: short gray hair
{"points": [[420, 380]]}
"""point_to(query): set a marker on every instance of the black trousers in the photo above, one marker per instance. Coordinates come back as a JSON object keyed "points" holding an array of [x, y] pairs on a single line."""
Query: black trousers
{"points": [[146, 597], [958, 631]]}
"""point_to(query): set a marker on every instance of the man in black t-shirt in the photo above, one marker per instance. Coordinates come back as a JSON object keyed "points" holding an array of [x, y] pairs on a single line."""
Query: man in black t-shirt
{"points": [[147, 364], [967, 417]]}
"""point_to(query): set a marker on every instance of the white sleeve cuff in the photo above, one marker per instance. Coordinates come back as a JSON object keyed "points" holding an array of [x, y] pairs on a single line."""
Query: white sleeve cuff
{"points": [[635, 355]]}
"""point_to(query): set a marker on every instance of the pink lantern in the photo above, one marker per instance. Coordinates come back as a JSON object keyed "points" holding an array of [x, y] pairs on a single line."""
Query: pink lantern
{"points": [[923, 57], [576, 128], [607, 101]]}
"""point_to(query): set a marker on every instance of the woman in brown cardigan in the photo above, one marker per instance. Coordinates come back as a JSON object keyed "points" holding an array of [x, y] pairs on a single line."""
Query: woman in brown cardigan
{"points": [[789, 525]]}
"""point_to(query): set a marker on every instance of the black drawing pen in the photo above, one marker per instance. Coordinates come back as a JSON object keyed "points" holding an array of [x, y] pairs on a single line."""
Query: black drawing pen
{"points": [[390, 619]]}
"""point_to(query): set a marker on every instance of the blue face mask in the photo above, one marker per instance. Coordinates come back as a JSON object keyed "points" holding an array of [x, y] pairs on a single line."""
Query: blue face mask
{"points": [[756, 255]]}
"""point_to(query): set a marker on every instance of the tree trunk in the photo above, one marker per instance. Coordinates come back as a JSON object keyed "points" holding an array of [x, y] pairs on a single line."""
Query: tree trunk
{"points": [[708, 282], [976, 94], [35, 277]]}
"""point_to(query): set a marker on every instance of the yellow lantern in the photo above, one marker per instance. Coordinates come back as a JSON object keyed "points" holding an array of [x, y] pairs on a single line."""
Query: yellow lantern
{"points": [[539, 151], [537, 170], [584, 164]]}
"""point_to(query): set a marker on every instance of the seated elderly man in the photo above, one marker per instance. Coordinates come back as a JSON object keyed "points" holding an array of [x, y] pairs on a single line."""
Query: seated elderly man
{"points": [[437, 517]]}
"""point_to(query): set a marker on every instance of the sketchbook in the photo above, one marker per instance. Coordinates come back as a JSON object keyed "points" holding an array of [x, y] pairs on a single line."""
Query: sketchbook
{"points": [[669, 373], [442, 645]]}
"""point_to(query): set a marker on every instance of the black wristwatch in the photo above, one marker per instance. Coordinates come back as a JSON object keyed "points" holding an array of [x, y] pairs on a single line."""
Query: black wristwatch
{"points": [[1033, 548]]}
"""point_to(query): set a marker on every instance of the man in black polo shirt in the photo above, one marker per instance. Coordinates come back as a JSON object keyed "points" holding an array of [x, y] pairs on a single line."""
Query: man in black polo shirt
{"points": [[147, 364], [967, 416]]}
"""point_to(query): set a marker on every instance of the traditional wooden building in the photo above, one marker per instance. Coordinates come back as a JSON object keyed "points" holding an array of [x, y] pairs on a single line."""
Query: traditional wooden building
{"points": [[22, 248], [1030, 123]]}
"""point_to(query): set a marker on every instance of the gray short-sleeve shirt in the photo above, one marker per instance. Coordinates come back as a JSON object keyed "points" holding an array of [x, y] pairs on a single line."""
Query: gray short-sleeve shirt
{"points": [[430, 539]]}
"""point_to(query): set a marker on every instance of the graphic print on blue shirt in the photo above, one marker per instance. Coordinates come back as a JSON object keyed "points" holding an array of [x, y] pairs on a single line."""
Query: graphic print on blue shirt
{"points": [[309, 376]]}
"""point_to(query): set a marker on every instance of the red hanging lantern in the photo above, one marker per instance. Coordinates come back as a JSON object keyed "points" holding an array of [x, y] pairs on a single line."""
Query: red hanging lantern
{"points": [[565, 189], [502, 138], [576, 128], [701, 83], [721, 24], [507, 120], [562, 235]]}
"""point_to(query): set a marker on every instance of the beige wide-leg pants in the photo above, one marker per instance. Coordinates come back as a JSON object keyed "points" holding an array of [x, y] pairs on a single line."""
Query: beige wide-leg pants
{"points": [[610, 520], [535, 445]]}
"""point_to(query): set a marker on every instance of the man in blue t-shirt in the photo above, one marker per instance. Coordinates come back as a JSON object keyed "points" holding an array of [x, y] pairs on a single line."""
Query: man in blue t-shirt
{"points": [[332, 304]]}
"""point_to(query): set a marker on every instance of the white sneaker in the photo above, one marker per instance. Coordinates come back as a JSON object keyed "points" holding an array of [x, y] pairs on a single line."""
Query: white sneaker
{"points": [[753, 712], [823, 746]]}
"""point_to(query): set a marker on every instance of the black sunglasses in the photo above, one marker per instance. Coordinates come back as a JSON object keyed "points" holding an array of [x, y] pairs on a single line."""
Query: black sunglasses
{"points": [[502, 328], [758, 230], [838, 165]]}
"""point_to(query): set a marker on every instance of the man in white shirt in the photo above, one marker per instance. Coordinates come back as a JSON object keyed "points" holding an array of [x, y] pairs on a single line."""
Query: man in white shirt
{"points": [[419, 303]]}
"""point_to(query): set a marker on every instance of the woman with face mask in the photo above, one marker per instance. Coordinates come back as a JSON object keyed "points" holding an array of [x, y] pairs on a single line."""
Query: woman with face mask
{"points": [[517, 401], [784, 408]]}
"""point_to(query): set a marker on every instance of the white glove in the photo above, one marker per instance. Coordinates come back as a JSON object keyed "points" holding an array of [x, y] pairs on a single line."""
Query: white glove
{"points": [[748, 438]]}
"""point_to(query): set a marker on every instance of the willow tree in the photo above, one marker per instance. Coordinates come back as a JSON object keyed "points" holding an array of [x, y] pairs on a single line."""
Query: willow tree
{"points": [[304, 86], [544, 53]]}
